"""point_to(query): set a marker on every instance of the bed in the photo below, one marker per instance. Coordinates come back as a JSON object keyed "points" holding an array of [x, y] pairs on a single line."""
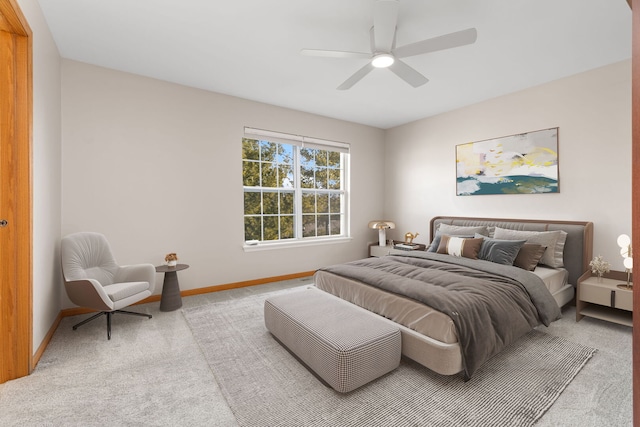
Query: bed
{"points": [[405, 286]]}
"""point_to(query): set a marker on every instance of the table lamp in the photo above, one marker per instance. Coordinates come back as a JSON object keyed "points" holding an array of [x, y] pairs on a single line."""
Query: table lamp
{"points": [[624, 242], [382, 226]]}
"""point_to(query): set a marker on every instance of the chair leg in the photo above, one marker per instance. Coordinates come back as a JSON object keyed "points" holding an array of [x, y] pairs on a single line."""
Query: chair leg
{"points": [[108, 314], [108, 325], [133, 313], [76, 326]]}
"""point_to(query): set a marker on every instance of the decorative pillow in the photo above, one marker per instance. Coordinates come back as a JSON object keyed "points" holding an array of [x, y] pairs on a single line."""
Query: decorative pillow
{"points": [[459, 246], [529, 256], [553, 240], [499, 251], [455, 230], [436, 241]]}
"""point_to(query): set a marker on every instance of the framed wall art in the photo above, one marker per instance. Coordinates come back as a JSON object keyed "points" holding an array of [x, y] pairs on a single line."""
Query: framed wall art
{"points": [[526, 163]]}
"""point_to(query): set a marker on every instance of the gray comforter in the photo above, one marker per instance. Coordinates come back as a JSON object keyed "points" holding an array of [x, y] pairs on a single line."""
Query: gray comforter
{"points": [[491, 305]]}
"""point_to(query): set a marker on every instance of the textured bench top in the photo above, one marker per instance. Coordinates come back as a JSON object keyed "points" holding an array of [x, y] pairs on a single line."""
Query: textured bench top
{"points": [[332, 319], [343, 344]]}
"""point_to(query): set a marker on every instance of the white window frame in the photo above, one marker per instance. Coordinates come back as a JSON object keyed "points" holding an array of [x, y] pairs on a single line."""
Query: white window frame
{"points": [[304, 142]]}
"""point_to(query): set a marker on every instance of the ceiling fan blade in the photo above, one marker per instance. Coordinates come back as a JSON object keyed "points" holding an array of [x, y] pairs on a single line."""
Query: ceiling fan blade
{"points": [[385, 18], [356, 77], [408, 74], [335, 53], [447, 41]]}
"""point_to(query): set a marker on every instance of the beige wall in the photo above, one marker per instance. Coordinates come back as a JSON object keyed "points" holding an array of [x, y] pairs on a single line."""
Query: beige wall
{"points": [[150, 165], [47, 286], [593, 112], [156, 167]]}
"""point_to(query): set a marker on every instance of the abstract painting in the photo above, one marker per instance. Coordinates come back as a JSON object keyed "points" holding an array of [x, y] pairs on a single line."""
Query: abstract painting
{"points": [[526, 163]]}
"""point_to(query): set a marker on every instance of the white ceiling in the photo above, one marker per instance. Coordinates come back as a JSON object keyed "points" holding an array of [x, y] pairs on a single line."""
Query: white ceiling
{"points": [[250, 48]]}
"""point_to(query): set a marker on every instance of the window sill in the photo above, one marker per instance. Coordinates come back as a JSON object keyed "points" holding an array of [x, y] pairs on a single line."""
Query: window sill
{"points": [[265, 246]]}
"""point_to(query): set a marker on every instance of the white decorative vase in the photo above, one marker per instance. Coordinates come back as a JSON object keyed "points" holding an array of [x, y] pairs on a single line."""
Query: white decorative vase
{"points": [[172, 263]]}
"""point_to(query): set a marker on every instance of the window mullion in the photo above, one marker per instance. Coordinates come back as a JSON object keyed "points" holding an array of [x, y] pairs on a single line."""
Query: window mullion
{"points": [[345, 199], [279, 214], [297, 206], [261, 214]]}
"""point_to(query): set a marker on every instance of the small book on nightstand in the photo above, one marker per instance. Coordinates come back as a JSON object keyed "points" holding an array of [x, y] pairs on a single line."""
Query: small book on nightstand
{"points": [[409, 246]]}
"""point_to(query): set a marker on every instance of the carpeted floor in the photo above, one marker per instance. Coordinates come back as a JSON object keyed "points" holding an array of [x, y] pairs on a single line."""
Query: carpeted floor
{"points": [[265, 385], [153, 373]]}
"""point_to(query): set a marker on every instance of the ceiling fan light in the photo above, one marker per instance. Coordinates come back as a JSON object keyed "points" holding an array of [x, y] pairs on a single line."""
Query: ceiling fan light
{"points": [[382, 60]]}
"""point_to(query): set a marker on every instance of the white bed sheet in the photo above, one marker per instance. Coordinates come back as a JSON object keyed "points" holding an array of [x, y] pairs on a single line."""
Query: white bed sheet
{"points": [[554, 278]]}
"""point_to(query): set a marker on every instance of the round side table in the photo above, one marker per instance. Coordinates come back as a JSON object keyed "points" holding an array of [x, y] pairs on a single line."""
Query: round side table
{"points": [[171, 299]]}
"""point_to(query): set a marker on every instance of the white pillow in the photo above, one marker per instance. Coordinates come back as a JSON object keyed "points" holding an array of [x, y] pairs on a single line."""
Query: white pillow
{"points": [[553, 240]]}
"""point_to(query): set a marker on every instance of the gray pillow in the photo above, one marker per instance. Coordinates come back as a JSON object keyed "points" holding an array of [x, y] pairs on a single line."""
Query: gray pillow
{"points": [[458, 230], [499, 251], [553, 240], [455, 230]]}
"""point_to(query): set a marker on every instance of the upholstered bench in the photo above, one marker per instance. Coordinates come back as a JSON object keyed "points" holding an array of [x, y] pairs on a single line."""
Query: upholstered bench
{"points": [[343, 344]]}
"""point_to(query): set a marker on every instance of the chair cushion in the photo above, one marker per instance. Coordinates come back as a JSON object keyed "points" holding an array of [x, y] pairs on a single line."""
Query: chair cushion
{"points": [[120, 291]]}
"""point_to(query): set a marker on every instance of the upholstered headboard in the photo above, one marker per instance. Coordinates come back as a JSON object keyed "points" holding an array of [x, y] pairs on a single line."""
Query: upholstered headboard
{"points": [[578, 249]]}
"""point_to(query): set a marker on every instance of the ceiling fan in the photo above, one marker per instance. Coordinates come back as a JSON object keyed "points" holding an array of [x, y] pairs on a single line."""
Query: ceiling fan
{"points": [[384, 53]]}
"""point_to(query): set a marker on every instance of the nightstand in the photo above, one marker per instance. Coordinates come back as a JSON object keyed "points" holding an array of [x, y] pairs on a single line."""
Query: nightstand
{"points": [[378, 251], [603, 299]]}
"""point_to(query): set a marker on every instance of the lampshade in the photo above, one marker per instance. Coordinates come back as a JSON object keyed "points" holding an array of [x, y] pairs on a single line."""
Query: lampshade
{"points": [[382, 225], [624, 242]]}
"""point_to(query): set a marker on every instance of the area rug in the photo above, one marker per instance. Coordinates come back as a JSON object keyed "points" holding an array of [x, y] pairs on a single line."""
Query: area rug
{"points": [[265, 385]]}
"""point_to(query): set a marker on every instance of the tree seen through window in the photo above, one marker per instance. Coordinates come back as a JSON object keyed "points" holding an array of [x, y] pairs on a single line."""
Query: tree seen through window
{"points": [[291, 192]]}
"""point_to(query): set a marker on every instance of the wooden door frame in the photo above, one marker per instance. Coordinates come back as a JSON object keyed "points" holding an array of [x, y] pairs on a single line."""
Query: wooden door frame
{"points": [[635, 200], [16, 253]]}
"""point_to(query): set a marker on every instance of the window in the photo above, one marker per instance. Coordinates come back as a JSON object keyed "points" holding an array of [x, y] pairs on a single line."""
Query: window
{"points": [[295, 188]]}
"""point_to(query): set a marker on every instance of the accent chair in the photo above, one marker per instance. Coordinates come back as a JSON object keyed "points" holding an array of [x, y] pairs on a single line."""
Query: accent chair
{"points": [[93, 279]]}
